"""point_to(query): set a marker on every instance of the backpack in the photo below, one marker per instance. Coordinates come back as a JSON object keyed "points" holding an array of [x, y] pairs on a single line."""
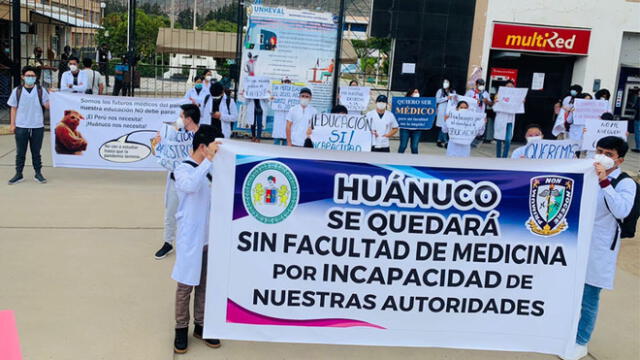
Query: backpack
{"points": [[19, 93], [627, 225]]}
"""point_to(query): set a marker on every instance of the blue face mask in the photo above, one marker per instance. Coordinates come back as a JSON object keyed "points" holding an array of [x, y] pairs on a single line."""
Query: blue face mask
{"points": [[198, 86], [29, 80], [573, 93]]}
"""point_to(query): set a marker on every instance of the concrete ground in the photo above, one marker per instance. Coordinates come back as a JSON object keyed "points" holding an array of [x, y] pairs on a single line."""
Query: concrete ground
{"points": [[77, 267]]}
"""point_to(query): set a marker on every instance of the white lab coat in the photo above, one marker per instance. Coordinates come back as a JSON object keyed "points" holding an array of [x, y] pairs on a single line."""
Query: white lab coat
{"points": [[228, 115], [473, 94], [601, 267], [442, 101], [500, 125], [300, 119], [194, 197], [381, 125], [518, 153], [198, 97], [67, 79], [279, 125]]}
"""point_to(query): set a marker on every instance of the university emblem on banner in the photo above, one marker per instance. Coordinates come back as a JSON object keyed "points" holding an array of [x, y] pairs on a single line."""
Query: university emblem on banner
{"points": [[270, 192], [549, 202]]}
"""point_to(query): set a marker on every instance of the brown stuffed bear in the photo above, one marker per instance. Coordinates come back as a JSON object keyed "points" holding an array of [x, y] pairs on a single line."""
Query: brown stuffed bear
{"points": [[69, 141]]}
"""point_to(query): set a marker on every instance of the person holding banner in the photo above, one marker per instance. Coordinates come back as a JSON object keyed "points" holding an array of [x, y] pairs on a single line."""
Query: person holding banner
{"points": [[615, 202], [533, 133], [219, 110], [460, 149], [443, 96], [299, 119], [198, 92], [383, 123], [186, 125], [413, 134], [193, 186]]}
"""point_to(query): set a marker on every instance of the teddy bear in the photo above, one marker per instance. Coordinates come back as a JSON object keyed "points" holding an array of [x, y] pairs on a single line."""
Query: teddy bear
{"points": [[69, 141]]}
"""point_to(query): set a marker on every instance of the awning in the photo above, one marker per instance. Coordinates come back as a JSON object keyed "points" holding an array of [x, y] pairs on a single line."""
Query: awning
{"points": [[64, 18], [217, 44]]}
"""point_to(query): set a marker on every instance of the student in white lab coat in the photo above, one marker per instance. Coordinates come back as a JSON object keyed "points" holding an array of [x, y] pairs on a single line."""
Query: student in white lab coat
{"points": [[197, 93], [615, 201], [73, 80], [186, 125], [384, 125], [533, 133], [256, 116], [460, 150], [207, 80], [503, 129], [193, 186], [576, 132], [279, 133], [299, 119], [219, 110], [565, 117], [443, 96]]}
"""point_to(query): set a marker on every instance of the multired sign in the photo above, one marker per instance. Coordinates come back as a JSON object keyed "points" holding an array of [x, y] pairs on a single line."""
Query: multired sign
{"points": [[541, 39]]}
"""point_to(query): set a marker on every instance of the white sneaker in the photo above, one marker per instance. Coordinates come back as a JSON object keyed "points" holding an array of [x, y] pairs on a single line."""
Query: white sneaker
{"points": [[578, 352]]}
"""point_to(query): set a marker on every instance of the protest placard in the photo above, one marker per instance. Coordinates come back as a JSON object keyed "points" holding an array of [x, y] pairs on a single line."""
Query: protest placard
{"points": [[285, 97], [510, 100], [588, 109], [596, 129], [463, 126], [473, 103], [341, 132], [551, 149], [355, 98], [108, 132], [257, 87], [414, 113], [385, 249]]}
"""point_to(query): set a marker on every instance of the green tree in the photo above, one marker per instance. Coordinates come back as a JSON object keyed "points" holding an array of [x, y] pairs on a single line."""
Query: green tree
{"points": [[219, 25]]}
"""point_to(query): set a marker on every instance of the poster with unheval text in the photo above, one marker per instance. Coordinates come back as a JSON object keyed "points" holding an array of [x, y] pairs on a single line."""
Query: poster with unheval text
{"points": [[108, 132], [388, 250]]}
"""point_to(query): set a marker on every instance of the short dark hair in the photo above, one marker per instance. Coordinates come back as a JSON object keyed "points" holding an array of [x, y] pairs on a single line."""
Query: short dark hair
{"points": [[28, 68], [614, 143], [460, 103], [71, 58], [480, 82], [216, 89], [606, 116], [576, 87], [584, 95], [205, 135], [87, 62], [510, 82], [533, 126], [601, 93], [191, 111], [339, 109], [198, 77]]}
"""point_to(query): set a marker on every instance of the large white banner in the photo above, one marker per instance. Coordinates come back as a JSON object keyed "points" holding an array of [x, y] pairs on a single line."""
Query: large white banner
{"points": [[596, 129], [108, 132], [464, 126], [510, 100], [588, 110], [341, 132], [384, 249]]}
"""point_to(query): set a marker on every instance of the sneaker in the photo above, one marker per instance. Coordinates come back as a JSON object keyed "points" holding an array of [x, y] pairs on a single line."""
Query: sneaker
{"points": [[212, 343], [39, 178], [439, 144], [16, 179], [181, 341], [165, 250], [578, 352]]}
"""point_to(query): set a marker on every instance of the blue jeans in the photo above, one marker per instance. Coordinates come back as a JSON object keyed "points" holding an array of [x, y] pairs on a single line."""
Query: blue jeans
{"points": [[282, 142], [442, 137], [500, 152], [636, 132], [405, 135], [588, 314]]}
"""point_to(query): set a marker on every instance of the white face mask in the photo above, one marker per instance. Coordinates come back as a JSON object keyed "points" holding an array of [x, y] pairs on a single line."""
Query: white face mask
{"points": [[481, 88], [533, 138], [415, 95], [208, 78], [606, 161], [180, 123], [73, 68], [304, 101], [381, 106], [445, 84]]}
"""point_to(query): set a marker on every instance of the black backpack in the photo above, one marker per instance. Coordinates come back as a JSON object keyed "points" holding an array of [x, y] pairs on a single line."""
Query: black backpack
{"points": [[628, 224], [19, 93]]}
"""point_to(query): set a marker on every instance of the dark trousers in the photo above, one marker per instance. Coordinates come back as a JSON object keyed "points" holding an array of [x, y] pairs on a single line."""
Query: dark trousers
{"points": [[405, 136], [385, 149], [33, 139], [120, 85], [183, 298], [102, 67]]}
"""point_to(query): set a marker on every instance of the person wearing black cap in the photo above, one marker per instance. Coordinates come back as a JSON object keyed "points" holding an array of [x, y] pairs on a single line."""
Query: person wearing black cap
{"points": [[383, 124], [299, 119], [219, 110]]}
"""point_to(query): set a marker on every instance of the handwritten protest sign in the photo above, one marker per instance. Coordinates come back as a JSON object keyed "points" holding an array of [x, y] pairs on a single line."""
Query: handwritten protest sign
{"points": [[551, 149], [285, 96], [355, 98], [588, 109], [597, 129], [414, 113], [473, 104], [510, 100], [341, 132], [257, 87], [463, 126]]}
